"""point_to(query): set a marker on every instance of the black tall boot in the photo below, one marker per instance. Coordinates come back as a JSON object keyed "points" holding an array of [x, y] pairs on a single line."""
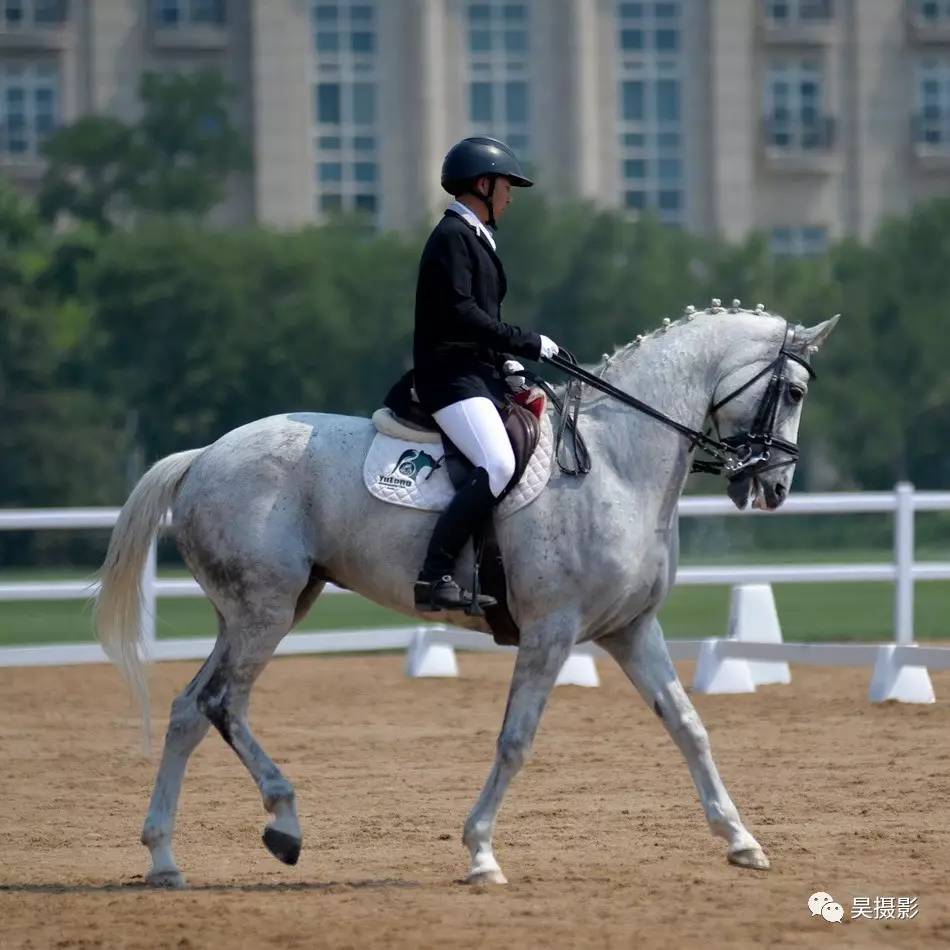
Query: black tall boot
{"points": [[436, 588]]}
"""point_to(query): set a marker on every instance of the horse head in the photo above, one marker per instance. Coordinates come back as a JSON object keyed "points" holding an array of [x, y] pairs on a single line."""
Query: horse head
{"points": [[757, 407]]}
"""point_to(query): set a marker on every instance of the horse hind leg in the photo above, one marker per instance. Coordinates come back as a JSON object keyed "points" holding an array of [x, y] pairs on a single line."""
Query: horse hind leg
{"points": [[186, 728], [224, 700]]}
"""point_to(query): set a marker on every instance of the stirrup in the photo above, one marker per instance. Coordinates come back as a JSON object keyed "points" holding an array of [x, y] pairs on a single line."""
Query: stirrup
{"points": [[445, 594]]}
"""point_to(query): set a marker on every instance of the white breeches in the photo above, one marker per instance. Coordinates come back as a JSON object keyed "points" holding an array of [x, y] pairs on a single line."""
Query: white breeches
{"points": [[475, 426]]}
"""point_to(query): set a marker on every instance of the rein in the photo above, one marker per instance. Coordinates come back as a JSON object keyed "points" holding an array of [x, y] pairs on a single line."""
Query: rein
{"points": [[736, 456]]}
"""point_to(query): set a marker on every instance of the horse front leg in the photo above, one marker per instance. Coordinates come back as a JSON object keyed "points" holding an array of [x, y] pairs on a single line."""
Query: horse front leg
{"points": [[541, 654], [642, 654]]}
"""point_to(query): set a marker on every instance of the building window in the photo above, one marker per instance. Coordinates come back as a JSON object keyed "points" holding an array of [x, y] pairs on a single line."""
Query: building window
{"points": [[29, 108], [785, 12], [19, 14], [498, 41], [345, 107], [803, 241], [328, 104], [650, 89], [207, 11], [169, 14], [933, 12], [932, 121], [795, 118], [342, 26]]}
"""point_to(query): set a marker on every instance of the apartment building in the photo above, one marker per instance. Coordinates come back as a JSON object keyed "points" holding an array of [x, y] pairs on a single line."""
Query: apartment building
{"points": [[805, 119]]}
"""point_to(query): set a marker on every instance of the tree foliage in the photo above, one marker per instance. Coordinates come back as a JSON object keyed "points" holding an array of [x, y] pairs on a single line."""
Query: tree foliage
{"points": [[59, 442], [175, 160]]}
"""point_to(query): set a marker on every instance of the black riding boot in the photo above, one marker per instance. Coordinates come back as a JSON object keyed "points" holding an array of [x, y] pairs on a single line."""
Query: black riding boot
{"points": [[436, 589]]}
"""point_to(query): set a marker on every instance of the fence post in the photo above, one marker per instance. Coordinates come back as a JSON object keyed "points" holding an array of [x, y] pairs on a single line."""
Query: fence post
{"points": [[149, 599], [904, 563]]}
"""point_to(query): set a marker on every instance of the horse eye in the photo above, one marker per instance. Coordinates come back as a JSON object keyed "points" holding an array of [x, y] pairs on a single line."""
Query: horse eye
{"points": [[796, 393]]}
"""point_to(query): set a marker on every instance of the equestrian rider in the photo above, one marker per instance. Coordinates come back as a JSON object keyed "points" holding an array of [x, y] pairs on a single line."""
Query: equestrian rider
{"points": [[459, 346]]}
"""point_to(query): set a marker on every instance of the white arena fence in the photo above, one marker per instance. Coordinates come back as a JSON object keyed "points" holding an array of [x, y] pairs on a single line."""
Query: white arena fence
{"points": [[903, 572]]}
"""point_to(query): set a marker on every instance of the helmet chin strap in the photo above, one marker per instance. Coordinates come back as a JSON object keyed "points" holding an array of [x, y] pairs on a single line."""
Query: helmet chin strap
{"points": [[488, 200]]}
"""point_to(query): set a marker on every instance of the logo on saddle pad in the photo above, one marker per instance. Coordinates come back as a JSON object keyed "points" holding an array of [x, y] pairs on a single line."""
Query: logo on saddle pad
{"points": [[410, 465]]}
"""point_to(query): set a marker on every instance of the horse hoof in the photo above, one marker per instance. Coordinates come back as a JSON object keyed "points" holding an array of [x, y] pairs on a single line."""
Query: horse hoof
{"points": [[487, 877], [282, 846], [750, 858], [170, 879]]}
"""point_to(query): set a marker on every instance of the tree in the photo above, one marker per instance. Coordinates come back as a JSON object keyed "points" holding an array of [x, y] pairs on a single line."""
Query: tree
{"points": [[200, 333], [175, 160], [88, 176], [887, 408], [185, 146], [54, 428]]}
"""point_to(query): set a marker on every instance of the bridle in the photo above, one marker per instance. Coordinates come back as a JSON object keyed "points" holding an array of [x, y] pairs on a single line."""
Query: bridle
{"points": [[738, 456], [754, 448]]}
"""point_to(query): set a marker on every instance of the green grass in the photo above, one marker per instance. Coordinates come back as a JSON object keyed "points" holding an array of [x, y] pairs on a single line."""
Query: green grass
{"points": [[70, 621], [808, 612]]}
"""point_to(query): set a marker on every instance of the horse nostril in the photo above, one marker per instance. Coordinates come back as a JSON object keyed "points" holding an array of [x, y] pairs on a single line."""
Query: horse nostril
{"points": [[780, 490]]}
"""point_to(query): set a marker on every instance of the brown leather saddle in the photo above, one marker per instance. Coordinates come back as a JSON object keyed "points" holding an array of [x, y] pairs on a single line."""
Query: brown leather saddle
{"points": [[522, 418]]}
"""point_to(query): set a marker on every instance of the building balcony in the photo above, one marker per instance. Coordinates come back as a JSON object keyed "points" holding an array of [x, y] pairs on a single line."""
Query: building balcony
{"points": [[930, 135], [792, 145], [31, 38], [202, 36], [799, 23], [24, 170], [927, 22]]}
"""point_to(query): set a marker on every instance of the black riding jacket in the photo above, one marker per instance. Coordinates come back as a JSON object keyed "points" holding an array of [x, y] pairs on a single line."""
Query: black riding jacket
{"points": [[460, 340]]}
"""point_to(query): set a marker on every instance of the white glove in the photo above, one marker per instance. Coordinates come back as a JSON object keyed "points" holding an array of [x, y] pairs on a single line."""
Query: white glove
{"points": [[548, 347], [510, 370]]}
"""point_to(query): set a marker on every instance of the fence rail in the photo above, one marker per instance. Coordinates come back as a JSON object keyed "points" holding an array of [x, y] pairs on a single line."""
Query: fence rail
{"points": [[903, 572]]}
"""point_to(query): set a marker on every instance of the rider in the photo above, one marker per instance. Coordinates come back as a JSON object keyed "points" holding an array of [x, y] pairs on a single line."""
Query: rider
{"points": [[459, 346]]}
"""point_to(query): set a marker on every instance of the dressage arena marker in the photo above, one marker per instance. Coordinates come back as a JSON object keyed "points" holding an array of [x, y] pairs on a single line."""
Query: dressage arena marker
{"points": [[753, 618], [579, 670], [431, 653], [427, 658], [891, 680], [718, 674]]}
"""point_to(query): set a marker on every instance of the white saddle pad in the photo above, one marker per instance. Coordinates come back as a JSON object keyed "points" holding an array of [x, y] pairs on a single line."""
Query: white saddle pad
{"points": [[412, 474]]}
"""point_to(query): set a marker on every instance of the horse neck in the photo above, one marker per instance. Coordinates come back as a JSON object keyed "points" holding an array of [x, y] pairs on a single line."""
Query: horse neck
{"points": [[674, 370]]}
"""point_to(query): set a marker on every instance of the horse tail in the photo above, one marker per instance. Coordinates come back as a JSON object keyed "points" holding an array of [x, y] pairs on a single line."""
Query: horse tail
{"points": [[118, 607]]}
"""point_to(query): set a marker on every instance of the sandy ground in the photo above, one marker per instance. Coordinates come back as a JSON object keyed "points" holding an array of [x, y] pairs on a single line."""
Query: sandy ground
{"points": [[601, 836]]}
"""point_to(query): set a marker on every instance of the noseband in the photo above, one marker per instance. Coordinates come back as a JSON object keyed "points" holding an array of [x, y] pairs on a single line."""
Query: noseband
{"points": [[738, 456], [753, 449]]}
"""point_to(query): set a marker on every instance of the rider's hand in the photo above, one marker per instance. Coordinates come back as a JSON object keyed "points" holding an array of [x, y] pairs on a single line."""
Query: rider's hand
{"points": [[548, 347], [512, 370]]}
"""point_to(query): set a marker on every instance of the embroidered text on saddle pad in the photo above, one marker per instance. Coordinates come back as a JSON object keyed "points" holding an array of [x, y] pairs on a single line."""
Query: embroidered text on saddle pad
{"points": [[411, 474]]}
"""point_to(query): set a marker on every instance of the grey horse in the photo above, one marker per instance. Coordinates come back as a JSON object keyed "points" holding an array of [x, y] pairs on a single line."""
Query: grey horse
{"points": [[273, 510]]}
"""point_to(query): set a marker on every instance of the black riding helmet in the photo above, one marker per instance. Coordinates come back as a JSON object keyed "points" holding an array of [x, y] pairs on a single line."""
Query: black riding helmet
{"points": [[476, 157]]}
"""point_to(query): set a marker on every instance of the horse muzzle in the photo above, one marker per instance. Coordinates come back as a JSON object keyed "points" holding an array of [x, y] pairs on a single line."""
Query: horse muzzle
{"points": [[759, 493]]}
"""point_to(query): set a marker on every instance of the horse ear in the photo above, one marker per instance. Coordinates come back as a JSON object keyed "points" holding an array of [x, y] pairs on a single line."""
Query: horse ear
{"points": [[811, 339]]}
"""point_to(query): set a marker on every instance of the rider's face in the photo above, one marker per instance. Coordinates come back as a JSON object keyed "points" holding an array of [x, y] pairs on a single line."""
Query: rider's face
{"points": [[501, 196]]}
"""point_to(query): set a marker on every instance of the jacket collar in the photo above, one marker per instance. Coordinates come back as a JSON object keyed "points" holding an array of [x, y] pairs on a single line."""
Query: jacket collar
{"points": [[471, 219]]}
